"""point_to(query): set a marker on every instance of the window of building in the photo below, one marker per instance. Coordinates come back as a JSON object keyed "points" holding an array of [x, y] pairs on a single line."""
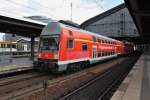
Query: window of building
{"points": [[8, 45], [13, 46], [70, 43], [84, 46]]}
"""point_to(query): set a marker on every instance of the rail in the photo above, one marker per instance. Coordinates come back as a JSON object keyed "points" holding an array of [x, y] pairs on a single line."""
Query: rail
{"points": [[17, 53], [103, 86]]}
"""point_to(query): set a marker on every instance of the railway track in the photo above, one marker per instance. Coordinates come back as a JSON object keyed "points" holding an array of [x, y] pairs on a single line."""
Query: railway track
{"points": [[20, 84], [40, 86], [62, 85], [103, 86], [15, 72]]}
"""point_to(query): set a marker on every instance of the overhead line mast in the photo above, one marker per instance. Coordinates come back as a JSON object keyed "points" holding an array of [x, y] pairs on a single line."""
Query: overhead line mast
{"points": [[71, 11]]}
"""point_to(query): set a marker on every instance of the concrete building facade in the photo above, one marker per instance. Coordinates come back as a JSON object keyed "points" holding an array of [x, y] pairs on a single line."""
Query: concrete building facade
{"points": [[115, 22]]}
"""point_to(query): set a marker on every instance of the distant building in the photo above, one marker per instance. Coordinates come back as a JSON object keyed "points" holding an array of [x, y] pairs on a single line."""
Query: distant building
{"points": [[24, 44], [115, 22], [8, 46], [11, 37]]}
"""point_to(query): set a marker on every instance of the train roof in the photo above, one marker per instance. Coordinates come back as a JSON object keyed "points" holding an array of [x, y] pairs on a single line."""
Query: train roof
{"points": [[50, 27]]}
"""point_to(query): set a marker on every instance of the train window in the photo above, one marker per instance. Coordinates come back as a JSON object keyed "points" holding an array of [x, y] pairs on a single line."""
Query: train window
{"points": [[1, 45], [103, 54], [113, 52], [102, 41], [70, 43], [106, 41], [84, 46], [49, 43], [70, 33], [99, 41], [99, 54], [108, 53]]}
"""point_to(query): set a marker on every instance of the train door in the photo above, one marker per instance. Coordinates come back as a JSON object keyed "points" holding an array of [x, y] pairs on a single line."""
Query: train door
{"points": [[94, 53]]}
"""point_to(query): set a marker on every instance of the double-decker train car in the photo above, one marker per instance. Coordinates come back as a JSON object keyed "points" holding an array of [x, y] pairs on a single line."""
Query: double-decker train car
{"points": [[64, 47]]}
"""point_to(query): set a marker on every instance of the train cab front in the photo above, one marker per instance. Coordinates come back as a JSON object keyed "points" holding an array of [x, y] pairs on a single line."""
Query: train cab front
{"points": [[48, 54]]}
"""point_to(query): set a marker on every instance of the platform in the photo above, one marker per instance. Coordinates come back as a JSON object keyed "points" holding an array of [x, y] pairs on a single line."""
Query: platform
{"points": [[17, 64], [136, 86]]}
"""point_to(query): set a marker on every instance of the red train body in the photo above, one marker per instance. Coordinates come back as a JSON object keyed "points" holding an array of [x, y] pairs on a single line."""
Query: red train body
{"points": [[63, 47]]}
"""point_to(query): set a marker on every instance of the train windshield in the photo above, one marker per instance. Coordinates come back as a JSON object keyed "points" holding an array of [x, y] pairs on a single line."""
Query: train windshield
{"points": [[49, 44]]}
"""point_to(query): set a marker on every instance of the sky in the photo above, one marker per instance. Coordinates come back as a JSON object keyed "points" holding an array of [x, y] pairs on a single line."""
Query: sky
{"points": [[57, 9]]}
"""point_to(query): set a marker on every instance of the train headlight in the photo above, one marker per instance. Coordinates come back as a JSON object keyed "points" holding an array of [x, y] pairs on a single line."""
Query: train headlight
{"points": [[55, 56], [39, 55]]}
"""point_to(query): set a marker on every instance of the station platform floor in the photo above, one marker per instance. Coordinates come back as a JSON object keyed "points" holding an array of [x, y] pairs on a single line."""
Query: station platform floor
{"points": [[17, 64], [136, 86]]}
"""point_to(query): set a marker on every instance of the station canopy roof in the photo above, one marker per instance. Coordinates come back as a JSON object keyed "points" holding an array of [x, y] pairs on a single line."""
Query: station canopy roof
{"points": [[140, 11], [20, 26]]}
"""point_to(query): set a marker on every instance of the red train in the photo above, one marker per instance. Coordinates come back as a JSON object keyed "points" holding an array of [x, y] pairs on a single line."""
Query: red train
{"points": [[64, 47]]}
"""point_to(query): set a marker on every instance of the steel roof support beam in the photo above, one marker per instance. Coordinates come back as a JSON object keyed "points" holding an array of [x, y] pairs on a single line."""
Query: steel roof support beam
{"points": [[32, 47]]}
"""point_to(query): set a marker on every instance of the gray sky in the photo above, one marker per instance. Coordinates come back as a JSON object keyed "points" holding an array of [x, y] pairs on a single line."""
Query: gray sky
{"points": [[57, 9]]}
